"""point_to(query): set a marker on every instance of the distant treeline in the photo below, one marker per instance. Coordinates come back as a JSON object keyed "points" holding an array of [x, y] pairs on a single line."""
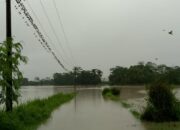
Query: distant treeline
{"points": [[144, 73], [140, 74], [37, 81], [76, 77]]}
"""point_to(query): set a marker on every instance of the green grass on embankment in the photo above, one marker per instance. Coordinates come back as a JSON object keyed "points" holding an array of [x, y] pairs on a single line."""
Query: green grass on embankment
{"points": [[30, 115], [162, 126]]}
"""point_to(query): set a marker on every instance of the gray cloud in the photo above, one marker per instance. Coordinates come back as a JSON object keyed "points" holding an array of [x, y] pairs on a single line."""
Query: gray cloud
{"points": [[101, 33]]}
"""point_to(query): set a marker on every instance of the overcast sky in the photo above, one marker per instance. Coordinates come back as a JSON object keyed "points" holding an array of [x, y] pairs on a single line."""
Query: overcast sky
{"points": [[101, 33]]}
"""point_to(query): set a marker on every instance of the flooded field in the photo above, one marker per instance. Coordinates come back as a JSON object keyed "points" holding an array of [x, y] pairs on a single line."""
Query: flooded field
{"points": [[33, 92], [89, 111]]}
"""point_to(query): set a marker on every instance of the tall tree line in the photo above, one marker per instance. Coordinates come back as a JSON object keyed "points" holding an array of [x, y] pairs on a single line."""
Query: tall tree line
{"points": [[77, 76], [144, 73]]}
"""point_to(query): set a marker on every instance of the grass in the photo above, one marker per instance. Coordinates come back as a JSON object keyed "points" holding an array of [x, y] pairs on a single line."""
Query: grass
{"points": [[135, 114], [129, 107], [30, 115], [125, 105], [162, 126], [111, 93]]}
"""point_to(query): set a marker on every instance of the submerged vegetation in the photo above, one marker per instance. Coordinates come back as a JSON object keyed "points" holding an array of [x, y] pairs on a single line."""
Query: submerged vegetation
{"points": [[162, 104], [30, 115], [112, 93], [125, 104], [162, 126]]}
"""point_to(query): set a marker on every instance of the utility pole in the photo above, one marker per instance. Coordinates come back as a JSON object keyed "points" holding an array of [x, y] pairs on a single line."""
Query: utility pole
{"points": [[8, 73]]}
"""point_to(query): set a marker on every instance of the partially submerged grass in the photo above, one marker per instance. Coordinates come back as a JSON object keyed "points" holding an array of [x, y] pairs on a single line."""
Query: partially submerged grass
{"points": [[125, 105], [162, 126], [111, 93], [135, 114], [30, 115]]}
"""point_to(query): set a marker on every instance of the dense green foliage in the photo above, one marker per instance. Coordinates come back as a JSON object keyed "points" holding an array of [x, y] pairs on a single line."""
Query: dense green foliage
{"points": [[162, 104], [79, 77], [76, 77], [92, 77], [144, 74], [111, 93], [162, 126], [63, 78], [37, 81], [9, 69], [30, 115]]}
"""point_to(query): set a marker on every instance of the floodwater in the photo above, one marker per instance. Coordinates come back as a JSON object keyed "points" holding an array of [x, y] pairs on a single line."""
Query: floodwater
{"points": [[38, 92], [89, 111]]}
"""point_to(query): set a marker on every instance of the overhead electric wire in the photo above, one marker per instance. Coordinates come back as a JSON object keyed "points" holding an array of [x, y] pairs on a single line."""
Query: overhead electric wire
{"points": [[63, 30], [26, 22], [42, 27], [51, 25], [28, 16]]}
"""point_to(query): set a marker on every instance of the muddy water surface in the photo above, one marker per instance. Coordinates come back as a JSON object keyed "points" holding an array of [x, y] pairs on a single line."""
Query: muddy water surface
{"points": [[89, 111]]}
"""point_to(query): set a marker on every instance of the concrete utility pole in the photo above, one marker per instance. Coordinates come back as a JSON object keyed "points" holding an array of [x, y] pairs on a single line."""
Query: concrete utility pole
{"points": [[8, 73], [8, 19]]}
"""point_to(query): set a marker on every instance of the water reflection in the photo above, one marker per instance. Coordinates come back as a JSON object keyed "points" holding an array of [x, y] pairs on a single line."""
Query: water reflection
{"points": [[89, 111], [132, 92], [33, 92]]}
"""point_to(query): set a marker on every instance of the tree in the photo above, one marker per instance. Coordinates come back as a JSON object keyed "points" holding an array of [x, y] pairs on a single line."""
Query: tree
{"points": [[7, 96], [79, 77], [36, 79], [144, 74], [118, 75], [25, 81], [63, 78]]}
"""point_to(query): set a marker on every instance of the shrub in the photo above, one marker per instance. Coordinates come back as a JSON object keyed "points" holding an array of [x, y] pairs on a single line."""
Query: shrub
{"points": [[110, 92], [162, 104], [115, 91], [105, 91]]}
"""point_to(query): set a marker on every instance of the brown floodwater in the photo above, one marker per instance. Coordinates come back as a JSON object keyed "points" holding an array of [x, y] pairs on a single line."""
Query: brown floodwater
{"points": [[29, 93], [89, 111]]}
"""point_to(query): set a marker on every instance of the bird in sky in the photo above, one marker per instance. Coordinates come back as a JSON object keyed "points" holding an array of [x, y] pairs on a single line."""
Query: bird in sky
{"points": [[171, 32]]}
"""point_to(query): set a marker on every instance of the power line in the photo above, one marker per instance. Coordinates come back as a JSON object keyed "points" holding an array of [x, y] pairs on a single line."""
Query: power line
{"points": [[41, 25], [30, 19], [63, 30], [50, 23], [37, 32], [27, 24]]}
